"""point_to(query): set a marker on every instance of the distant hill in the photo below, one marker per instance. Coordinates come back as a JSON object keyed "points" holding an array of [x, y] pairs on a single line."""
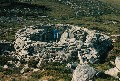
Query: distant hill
{"points": [[90, 7], [114, 3]]}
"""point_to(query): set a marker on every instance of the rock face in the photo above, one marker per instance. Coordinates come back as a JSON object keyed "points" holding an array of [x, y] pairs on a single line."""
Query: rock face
{"points": [[114, 71], [83, 73], [58, 45]]}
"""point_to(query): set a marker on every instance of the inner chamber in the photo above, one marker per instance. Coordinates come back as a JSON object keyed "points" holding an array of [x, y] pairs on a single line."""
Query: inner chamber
{"points": [[49, 34]]}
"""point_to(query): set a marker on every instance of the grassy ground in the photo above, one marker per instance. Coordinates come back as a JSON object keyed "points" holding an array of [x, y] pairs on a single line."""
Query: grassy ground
{"points": [[115, 3], [61, 13], [58, 10], [23, 16]]}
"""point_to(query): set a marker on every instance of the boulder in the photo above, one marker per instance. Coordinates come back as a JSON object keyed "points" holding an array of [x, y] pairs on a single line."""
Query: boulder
{"points": [[5, 66], [114, 71], [117, 62], [83, 73], [35, 70]]}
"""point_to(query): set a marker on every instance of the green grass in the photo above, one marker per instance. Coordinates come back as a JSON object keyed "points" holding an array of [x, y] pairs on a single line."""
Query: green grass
{"points": [[53, 72], [55, 11], [58, 10], [115, 3], [61, 13]]}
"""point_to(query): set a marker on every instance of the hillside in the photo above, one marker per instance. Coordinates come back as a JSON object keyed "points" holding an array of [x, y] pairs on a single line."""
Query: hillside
{"points": [[90, 7], [100, 15], [89, 13], [114, 3], [22, 13]]}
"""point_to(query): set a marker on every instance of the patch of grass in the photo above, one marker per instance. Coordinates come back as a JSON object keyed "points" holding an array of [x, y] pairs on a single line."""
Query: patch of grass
{"points": [[115, 3], [53, 72], [108, 21], [58, 10]]}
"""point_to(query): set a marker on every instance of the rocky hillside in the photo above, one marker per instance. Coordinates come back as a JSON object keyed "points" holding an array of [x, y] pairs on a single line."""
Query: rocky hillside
{"points": [[93, 14], [20, 17], [85, 8]]}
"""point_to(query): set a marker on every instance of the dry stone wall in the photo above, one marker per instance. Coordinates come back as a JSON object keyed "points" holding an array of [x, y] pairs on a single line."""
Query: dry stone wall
{"points": [[91, 46]]}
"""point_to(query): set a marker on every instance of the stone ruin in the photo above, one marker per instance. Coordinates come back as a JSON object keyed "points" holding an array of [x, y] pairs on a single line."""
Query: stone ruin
{"points": [[56, 43], [61, 43]]}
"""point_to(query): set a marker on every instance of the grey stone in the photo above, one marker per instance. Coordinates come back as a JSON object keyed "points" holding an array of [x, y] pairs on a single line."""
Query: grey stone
{"points": [[25, 67], [114, 71], [83, 73], [117, 62]]}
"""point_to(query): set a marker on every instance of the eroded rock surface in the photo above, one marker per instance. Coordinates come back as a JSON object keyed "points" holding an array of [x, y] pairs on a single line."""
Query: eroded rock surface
{"points": [[114, 71], [83, 73]]}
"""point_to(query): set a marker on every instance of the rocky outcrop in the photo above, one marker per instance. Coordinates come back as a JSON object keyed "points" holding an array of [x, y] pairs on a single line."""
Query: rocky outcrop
{"points": [[83, 73], [114, 71]]}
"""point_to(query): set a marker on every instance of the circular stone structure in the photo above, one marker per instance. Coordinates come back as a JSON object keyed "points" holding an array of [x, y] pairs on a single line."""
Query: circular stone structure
{"points": [[58, 43]]}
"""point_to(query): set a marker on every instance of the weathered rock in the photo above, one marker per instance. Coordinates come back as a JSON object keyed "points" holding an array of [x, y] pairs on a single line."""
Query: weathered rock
{"points": [[117, 62], [25, 67], [111, 62], [35, 70], [83, 73], [5, 66], [18, 64], [39, 63], [114, 71]]}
